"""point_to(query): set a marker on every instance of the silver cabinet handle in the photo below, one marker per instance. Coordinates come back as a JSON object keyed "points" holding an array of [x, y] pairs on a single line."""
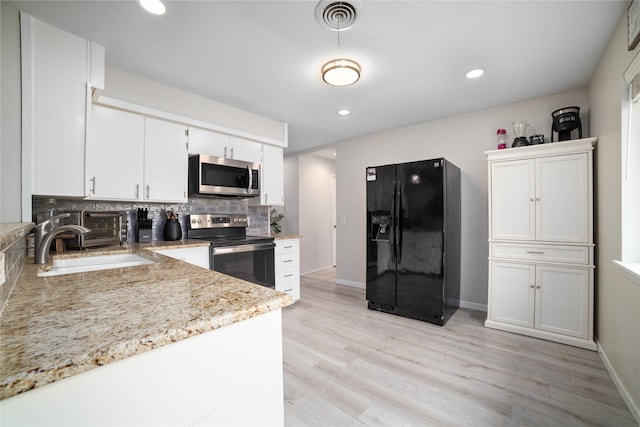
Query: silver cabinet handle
{"points": [[147, 191], [535, 252], [537, 199], [137, 190], [532, 199], [250, 177], [288, 260], [232, 152], [288, 275], [288, 247], [93, 185], [225, 151]]}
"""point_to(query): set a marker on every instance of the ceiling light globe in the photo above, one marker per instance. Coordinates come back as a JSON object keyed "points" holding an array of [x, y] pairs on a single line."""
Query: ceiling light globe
{"points": [[155, 7], [344, 112], [341, 72]]}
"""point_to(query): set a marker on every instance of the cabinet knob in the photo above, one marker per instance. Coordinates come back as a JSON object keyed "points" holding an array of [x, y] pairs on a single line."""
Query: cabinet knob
{"points": [[532, 286], [537, 199], [531, 199], [538, 287]]}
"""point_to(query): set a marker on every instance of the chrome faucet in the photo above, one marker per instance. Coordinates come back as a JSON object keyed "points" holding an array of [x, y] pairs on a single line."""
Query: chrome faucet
{"points": [[45, 232]]}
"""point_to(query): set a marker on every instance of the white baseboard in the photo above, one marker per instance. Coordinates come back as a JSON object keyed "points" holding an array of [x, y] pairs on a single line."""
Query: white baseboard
{"points": [[473, 306], [350, 283], [316, 270], [634, 407], [463, 304]]}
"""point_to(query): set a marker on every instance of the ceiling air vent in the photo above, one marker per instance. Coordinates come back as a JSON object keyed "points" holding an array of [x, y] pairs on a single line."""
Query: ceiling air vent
{"points": [[337, 15]]}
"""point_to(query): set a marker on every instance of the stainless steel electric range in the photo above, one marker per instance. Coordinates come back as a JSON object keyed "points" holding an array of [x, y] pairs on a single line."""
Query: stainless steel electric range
{"points": [[232, 252]]}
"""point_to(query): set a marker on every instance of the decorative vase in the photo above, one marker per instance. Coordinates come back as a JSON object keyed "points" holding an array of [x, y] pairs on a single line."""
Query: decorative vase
{"points": [[502, 139]]}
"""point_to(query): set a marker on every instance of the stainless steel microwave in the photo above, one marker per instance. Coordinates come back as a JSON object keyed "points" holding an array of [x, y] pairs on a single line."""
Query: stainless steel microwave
{"points": [[220, 176]]}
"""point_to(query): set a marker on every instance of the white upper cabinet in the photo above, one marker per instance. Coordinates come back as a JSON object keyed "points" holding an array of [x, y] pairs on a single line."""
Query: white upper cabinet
{"points": [[132, 157], [543, 199], [115, 154], [207, 142], [56, 76], [165, 161], [217, 144], [272, 182], [243, 149]]}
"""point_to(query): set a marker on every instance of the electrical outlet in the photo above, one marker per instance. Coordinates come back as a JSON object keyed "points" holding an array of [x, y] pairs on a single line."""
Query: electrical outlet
{"points": [[3, 271]]}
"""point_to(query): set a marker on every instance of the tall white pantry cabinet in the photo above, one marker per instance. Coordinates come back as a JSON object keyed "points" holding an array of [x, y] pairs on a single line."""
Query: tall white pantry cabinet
{"points": [[541, 241]]}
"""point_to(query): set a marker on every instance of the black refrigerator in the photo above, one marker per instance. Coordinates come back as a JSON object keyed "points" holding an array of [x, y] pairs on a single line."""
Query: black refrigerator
{"points": [[413, 239]]}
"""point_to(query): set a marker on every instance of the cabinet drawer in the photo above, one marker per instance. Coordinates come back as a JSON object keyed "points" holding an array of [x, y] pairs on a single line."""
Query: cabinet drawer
{"points": [[287, 246], [563, 254], [287, 275], [287, 260]]}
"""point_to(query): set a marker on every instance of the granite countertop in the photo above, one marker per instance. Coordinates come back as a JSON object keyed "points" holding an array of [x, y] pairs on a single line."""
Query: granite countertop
{"points": [[58, 326], [285, 236], [12, 231]]}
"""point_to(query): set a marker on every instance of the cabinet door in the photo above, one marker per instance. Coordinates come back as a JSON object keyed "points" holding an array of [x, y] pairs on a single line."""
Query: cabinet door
{"points": [[512, 293], [562, 300], [56, 90], [562, 198], [165, 163], [512, 200], [207, 142], [272, 191], [243, 149], [115, 154]]}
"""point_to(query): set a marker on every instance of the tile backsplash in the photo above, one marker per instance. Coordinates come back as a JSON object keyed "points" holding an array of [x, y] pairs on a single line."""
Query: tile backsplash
{"points": [[13, 258], [258, 215]]}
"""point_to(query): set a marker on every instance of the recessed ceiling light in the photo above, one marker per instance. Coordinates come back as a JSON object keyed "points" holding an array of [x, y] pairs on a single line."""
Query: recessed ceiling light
{"points": [[155, 7], [475, 73], [344, 112]]}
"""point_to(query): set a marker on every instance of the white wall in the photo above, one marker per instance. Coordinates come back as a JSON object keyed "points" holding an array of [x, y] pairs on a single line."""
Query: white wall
{"points": [[11, 136], [129, 87], [461, 140], [290, 223], [315, 212], [617, 298]]}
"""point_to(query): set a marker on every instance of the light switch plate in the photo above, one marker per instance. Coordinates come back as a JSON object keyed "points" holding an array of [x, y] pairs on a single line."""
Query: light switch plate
{"points": [[3, 270]]}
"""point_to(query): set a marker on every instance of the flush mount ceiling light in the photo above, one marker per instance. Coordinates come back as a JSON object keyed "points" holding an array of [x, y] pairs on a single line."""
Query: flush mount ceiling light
{"points": [[475, 73], [155, 7], [344, 112], [341, 72]]}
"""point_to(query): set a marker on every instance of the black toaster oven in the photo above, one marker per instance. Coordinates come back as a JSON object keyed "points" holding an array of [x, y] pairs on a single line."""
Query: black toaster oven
{"points": [[107, 228]]}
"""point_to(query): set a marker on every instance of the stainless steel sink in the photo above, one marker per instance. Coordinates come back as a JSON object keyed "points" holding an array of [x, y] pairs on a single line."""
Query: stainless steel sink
{"points": [[94, 263]]}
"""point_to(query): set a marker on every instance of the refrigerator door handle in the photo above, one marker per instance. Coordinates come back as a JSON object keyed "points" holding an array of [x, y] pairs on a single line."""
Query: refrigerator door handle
{"points": [[392, 225], [399, 227]]}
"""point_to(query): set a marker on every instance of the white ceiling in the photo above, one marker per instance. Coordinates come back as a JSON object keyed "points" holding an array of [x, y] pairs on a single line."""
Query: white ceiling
{"points": [[265, 56]]}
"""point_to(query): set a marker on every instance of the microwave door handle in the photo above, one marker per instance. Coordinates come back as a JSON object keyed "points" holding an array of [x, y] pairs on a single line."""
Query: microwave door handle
{"points": [[250, 179]]}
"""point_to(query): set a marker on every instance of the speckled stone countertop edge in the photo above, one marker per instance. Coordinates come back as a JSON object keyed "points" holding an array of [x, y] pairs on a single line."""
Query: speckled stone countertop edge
{"points": [[232, 300], [12, 231]]}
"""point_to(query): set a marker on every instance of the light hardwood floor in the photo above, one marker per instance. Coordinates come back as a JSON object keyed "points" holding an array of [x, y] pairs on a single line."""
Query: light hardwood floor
{"points": [[345, 365]]}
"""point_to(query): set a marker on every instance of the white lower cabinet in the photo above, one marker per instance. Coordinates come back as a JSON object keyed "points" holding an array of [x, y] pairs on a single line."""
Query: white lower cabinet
{"points": [[547, 298], [287, 263], [197, 256], [206, 380]]}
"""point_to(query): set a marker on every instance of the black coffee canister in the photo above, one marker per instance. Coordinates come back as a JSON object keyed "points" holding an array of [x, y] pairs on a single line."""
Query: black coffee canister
{"points": [[172, 230]]}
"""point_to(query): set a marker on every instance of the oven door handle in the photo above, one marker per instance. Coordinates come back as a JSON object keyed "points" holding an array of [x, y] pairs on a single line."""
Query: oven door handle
{"points": [[242, 248]]}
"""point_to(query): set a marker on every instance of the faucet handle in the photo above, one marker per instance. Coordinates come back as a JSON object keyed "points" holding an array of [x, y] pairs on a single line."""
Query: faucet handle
{"points": [[45, 223]]}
